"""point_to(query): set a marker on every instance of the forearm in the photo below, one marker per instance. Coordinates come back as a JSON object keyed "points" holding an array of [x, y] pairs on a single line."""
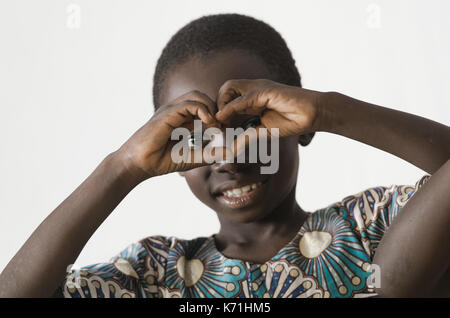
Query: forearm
{"points": [[415, 252], [422, 142], [40, 265]]}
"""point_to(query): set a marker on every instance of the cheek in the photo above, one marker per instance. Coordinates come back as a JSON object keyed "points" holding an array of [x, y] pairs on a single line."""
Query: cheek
{"points": [[197, 180], [289, 162]]}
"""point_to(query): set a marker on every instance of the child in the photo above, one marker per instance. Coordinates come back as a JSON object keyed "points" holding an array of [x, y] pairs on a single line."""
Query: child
{"points": [[231, 70]]}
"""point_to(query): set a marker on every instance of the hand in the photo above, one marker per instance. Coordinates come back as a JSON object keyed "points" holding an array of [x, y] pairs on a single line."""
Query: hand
{"points": [[293, 110], [148, 152]]}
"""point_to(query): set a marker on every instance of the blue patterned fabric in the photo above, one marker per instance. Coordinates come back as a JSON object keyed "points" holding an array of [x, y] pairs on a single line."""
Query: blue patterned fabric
{"points": [[330, 256]]}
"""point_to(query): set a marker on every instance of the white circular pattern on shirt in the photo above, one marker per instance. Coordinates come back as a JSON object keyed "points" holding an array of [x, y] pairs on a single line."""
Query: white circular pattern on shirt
{"points": [[307, 284], [312, 244], [356, 280], [235, 270], [230, 287], [294, 272], [279, 268], [366, 267]]}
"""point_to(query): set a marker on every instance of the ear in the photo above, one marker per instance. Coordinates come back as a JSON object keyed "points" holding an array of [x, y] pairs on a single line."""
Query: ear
{"points": [[304, 140]]}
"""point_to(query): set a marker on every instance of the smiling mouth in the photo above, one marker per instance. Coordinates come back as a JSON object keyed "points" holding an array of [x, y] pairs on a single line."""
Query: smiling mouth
{"points": [[241, 191], [242, 196]]}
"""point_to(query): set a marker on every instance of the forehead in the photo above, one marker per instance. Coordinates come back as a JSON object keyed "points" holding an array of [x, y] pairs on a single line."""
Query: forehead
{"points": [[207, 74]]}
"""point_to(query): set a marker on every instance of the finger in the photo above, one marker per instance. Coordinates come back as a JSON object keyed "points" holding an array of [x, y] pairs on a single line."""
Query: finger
{"points": [[217, 154], [248, 137], [232, 89], [198, 96], [180, 116], [187, 111], [198, 157], [250, 104]]}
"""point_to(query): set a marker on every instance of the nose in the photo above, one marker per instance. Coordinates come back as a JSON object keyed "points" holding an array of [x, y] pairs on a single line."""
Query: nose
{"points": [[225, 167], [232, 167]]}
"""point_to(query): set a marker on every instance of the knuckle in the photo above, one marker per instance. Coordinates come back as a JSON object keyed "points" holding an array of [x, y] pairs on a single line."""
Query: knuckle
{"points": [[186, 103], [196, 93], [229, 84], [193, 105], [199, 97], [181, 105], [191, 95], [161, 112]]}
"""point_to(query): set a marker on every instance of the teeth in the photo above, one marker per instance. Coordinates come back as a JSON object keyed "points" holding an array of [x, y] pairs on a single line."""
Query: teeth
{"points": [[237, 192], [246, 188]]}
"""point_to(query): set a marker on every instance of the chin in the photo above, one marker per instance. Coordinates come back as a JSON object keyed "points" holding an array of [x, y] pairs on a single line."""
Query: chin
{"points": [[245, 215]]}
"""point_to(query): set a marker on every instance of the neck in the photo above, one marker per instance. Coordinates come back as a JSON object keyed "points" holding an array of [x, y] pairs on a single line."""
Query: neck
{"points": [[282, 223]]}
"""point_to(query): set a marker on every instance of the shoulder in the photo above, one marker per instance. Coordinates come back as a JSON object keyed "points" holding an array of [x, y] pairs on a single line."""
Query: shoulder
{"points": [[366, 206], [370, 212]]}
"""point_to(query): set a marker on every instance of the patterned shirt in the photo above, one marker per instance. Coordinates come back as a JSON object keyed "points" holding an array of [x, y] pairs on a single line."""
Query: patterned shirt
{"points": [[330, 256]]}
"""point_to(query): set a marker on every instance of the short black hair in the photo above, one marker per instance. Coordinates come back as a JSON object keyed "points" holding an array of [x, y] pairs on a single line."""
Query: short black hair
{"points": [[213, 33]]}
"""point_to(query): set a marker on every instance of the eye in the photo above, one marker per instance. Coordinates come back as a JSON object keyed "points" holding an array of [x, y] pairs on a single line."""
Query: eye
{"points": [[196, 140], [254, 122]]}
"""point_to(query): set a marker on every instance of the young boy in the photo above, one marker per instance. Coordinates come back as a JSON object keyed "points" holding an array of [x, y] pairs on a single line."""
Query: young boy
{"points": [[234, 71]]}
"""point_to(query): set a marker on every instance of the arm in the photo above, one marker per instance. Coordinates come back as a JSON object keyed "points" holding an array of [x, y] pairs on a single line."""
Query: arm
{"points": [[40, 265], [298, 111], [415, 251], [422, 142]]}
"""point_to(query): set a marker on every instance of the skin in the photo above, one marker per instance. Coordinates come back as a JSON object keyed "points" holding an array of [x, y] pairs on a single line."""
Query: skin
{"points": [[255, 233], [419, 237], [414, 254]]}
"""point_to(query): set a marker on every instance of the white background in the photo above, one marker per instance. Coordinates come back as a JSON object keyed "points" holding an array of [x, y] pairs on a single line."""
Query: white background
{"points": [[70, 94]]}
